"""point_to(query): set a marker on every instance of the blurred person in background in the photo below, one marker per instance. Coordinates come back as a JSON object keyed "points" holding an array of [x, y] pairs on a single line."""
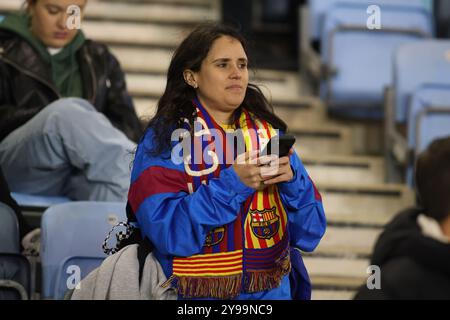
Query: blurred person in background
{"points": [[67, 122], [413, 252]]}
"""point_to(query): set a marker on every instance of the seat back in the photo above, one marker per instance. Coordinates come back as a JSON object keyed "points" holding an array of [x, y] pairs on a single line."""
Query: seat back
{"points": [[415, 64], [9, 230], [15, 277], [72, 271], [433, 125], [34, 201], [317, 11], [428, 119], [359, 60], [319, 8], [74, 229]]}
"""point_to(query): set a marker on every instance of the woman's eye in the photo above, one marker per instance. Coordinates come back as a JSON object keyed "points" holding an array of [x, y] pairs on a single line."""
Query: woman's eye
{"points": [[222, 65], [53, 11], [243, 65]]}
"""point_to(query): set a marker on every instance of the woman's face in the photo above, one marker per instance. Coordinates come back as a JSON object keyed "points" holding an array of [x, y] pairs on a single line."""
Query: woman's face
{"points": [[223, 76], [49, 21]]}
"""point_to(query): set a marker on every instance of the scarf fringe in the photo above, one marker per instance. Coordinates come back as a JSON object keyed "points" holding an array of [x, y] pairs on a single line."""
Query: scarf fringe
{"points": [[256, 281], [210, 287], [228, 287]]}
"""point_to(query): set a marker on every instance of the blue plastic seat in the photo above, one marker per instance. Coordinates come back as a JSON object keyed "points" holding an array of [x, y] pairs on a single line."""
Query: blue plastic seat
{"points": [[9, 230], [74, 229], [71, 270], [417, 63], [428, 119], [358, 60], [319, 8], [15, 275], [317, 11], [36, 201]]}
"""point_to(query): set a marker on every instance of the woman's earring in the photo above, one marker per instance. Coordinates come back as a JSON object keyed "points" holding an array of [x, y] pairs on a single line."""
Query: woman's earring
{"points": [[195, 86]]}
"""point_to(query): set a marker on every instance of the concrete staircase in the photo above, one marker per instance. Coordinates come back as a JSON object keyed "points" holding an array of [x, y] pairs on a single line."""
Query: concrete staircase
{"points": [[143, 35]]}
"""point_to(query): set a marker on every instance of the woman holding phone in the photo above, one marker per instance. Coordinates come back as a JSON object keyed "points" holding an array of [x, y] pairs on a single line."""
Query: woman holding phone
{"points": [[221, 229]]}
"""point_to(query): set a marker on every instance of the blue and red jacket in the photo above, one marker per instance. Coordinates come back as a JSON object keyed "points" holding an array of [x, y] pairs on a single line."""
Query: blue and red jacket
{"points": [[177, 222]]}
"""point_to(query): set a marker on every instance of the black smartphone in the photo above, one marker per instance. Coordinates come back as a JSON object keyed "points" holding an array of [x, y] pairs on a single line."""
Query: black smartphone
{"points": [[284, 143]]}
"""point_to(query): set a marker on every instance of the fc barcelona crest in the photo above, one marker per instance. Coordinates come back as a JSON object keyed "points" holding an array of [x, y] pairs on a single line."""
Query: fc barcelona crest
{"points": [[265, 223], [214, 236]]}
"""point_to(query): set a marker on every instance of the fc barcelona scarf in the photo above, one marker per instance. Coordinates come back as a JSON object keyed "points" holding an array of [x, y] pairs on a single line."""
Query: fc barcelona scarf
{"points": [[250, 254]]}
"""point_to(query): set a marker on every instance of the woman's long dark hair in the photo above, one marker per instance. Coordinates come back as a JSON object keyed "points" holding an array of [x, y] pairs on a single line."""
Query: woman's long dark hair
{"points": [[176, 102]]}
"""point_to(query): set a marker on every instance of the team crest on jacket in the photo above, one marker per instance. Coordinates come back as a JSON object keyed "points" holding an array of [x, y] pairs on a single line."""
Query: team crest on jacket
{"points": [[265, 223], [214, 236]]}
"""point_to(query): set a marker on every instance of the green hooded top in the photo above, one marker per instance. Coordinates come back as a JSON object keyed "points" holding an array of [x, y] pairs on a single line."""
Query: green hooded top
{"points": [[65, 69]]}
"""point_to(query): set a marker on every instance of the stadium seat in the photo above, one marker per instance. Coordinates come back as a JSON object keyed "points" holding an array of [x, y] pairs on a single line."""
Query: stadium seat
{"points": [[354, 80], [428, 119], [35, 201], [319, 8], [15, 275], [74, 229], [414, 65], [73, 269], [317, 11], [9, 230], [433, 124]]}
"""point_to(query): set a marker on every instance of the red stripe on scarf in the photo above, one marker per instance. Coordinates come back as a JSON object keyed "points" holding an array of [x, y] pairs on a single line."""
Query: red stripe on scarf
{"points": [[214, 272], [262, 242], [279, 204], [155, 180], [276, 236], [267, 128], [252, 133], [248, 235], [238, 233]]}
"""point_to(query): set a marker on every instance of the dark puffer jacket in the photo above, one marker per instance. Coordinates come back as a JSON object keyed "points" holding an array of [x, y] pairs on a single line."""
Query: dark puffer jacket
{"points": [[26, 85], [413, 266]]}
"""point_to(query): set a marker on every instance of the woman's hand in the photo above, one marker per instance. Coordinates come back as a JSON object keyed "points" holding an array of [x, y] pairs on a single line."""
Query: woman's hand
{"points": [[247, 167], [278, 170], [258, 173]]}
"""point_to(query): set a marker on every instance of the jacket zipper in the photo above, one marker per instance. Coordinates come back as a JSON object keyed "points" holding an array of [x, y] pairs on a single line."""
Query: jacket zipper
{"points": [[31, 75]]}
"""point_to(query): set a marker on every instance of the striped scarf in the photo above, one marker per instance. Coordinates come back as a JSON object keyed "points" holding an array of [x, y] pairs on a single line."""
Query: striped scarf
{"points": [[250, 254]]}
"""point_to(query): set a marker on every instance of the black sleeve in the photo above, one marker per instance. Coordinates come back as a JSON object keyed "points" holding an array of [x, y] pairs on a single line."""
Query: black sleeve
{"points": [[119, 106], [5, 104]]}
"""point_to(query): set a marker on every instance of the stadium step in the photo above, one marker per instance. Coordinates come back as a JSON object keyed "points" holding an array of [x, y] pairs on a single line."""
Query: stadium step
{"points": [[145, 108], [344, 169], [336, 273], [195, 3], [144, 35], [318, 139], [139, 60], [303, 109], [164, 12], [332, 294], [347, 242], [365, 204], [167, 13]]}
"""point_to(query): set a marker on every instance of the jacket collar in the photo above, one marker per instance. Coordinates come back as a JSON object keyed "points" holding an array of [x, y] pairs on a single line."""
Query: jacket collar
{"points": [[19, 52]]}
